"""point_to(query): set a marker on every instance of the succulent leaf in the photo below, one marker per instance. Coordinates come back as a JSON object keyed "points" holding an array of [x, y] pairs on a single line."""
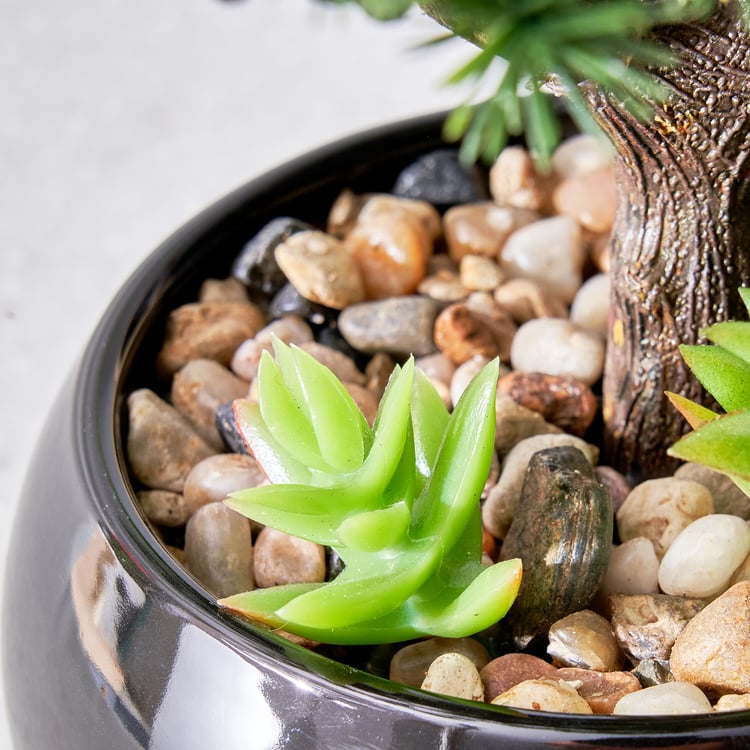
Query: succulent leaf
{"points": [[696, 415], [723, 374], [732, 335]]}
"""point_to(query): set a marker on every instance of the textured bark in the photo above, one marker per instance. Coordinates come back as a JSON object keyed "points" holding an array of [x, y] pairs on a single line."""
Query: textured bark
{"points": [[681, 240]]}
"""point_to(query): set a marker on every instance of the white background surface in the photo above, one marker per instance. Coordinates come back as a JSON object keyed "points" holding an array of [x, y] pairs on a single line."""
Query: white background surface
{"points": [[119, 119]]}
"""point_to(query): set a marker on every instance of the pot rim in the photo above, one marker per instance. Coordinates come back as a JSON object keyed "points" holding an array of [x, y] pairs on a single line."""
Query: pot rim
{"points": [[98, 405]]}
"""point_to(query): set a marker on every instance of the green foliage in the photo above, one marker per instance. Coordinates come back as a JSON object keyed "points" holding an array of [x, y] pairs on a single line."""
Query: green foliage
{"points": [[399, 502], [720, 441], [561, 44]]}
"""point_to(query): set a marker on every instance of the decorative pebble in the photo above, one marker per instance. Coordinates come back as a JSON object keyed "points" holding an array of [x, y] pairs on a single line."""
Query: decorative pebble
{"points": [[712, 650], [436, 366], [562, 531], [728, 497], [378, 372], [163, 507], [455, 675], [590, 308], [601, 690], [214, 478], [525, 300], [505, 671], [463, 375], [659, 509], [199, 389], [671, 698], [281, 558], [589, 198], [515, 423], [410, 663], [321, 269], [441, 179], [619, 487], [702, 558], [219, 551], [227, 428], [207, 330], [443, 286], [584, 639], [653, 672], [399, 326], [514, 180], [544, 695], [364, 399], [647, 625], [556, 346], [500, 506], [580, 154], [462, 333], [386, 207], [288, 301], [255, 266], [561, 400], [222, 290], [549, 252], [733, 703], [633, 569], [162, 445], [291, 329], [479, 273], [482, 228]]}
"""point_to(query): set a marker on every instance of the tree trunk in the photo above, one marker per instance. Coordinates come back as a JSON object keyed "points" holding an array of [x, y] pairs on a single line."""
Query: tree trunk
{"points": [[681, 239]]}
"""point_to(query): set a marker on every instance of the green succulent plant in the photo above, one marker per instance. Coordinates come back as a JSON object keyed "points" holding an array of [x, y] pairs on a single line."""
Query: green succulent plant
{"points": [[720, 441], [398, 502]]}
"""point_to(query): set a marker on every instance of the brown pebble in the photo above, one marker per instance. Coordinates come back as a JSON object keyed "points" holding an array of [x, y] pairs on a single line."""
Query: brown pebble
{"points": [[618, 485], [562, 400], [223, 290], [601, 690], [410, 663], [210, 330], [163, 507], [588, 198], [462, 333], [281, 558], [162, 445], [508, 670], [524, 300]]}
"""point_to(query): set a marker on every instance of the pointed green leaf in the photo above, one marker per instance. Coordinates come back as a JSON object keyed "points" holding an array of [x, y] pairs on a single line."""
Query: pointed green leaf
{"points": [[732, 335], [695, 414], [745, 290], [375, 529], [430, 417], [723, 374]]}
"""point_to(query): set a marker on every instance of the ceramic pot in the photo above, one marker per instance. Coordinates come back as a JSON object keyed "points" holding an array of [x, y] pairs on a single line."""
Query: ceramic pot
{"points": [[107, 642]]}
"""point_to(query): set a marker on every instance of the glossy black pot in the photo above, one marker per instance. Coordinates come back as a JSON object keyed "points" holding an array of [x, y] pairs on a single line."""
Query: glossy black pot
{"points": [[108, 643]]}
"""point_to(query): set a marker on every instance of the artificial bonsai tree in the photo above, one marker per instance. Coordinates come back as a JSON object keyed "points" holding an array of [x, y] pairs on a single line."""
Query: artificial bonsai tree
{"points": [[668, 81]]}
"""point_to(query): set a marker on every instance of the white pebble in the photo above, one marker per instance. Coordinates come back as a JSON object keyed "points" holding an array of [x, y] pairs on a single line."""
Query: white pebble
{"points": [[579, 155], [544, 695], [549, 252], [669, 698], [701, 560], [456, 675], [590, 308], [463, 375], [633, 569], [556, 346]]}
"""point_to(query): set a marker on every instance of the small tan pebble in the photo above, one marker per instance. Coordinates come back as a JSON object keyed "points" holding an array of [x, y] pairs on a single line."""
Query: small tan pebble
{"points": [[580, 154], [618, 485], [505, 671], [668, 699], [544, 695], [703, 557], [515, 423], [207, 330], [647, 625], [562, 400], [733, 703], [378, 372], [601, 690], [514, 180], [479, 273], [410, 663], [337, 362], [462, 333], [455, 675], [281, 558], [219, 551], [223, 290], [633, 569], [525, 300], [344, 212], [321, 269], [556, 346], [214, 478], [590, 307], [482, 228], [386, 206], [291, 329], [463, 374], [163, 507], [436, 366], [162, 444], [659, 509], [199, 389], [391, 251], [588, 198], [443, 286], [584, 639], [364, 399], [550, 252], [712, 650], [500, 506], [728, 497]]}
